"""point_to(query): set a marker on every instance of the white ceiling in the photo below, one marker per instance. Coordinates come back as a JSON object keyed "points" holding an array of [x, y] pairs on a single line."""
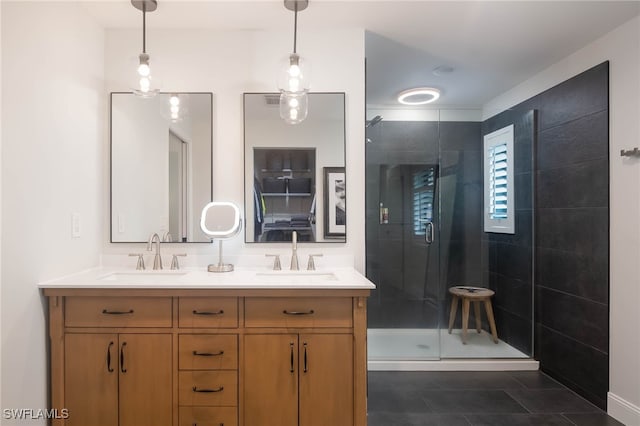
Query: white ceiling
{"points": [[493, 45]]}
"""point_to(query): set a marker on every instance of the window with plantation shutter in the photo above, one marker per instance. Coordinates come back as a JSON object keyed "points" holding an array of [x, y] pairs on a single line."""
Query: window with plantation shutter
{"points": [[424, 182], [499, 205]]}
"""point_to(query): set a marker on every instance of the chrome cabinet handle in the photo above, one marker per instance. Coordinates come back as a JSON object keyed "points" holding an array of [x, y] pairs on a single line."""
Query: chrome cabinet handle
{"points": [[310, 312], [109, 368], [196, 353], [220, 389]]}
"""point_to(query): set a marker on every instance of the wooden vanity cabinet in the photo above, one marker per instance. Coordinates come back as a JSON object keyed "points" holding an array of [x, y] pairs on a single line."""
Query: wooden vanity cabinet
{"points": [[117, 379], [172, 357], [300, 373], [298, 379]]}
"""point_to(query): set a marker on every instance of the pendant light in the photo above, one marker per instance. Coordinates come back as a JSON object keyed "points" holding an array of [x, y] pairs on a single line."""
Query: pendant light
{"points": [[144, 83], [293, 78]]}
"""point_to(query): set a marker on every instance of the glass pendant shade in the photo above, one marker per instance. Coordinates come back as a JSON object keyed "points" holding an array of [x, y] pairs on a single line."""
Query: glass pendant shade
{"points": [[144, 85], [294, 75], [294, 107]]}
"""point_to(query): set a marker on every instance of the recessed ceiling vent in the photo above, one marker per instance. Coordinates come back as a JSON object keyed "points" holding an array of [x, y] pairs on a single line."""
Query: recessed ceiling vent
{"points": [[272, 99]]}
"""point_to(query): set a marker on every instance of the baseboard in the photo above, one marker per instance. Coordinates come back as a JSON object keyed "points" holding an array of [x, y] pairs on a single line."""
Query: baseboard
{"points": [[622, 410], [456, 365]]}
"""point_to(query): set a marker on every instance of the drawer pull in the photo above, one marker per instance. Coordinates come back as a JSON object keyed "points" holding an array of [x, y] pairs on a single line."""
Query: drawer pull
{"points": [[220, 312], [109, 368], [306, 364], [196, 353], [220, 389], [310, 312], [107, 312], [122, 369], [196, 424], [291, 369]]}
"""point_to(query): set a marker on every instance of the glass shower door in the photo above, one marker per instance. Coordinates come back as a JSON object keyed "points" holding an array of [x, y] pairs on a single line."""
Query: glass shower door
{"points": [[402, 246]]}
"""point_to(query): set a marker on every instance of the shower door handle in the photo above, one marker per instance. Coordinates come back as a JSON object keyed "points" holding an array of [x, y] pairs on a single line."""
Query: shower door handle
{"points": [[428, 234]]}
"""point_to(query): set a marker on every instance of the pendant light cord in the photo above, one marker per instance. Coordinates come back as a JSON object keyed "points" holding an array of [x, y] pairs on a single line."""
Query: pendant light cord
{"points": [[144, 28], [295, 27]]}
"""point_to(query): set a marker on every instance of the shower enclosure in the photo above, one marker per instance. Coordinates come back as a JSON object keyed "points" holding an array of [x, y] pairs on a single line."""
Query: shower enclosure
{"points": [[424, 234]]}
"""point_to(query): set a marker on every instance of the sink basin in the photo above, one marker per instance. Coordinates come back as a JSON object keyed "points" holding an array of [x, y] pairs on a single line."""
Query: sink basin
{"points": [[144, 277], [301, 277]]}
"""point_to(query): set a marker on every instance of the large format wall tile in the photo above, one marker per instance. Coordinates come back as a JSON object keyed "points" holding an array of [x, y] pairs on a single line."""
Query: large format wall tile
{"points": [[580, 367], [581, 185], [580, 140], [575, 317], [573, 273]]}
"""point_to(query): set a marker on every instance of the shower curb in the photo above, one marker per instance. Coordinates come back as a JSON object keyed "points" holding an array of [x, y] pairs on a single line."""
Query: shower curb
{"points": [[456, 365]]}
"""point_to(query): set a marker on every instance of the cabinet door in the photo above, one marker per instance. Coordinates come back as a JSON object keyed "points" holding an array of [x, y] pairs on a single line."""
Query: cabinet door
{"points": [[145, 380], [271, 380], [91, 379], [326, 379]]}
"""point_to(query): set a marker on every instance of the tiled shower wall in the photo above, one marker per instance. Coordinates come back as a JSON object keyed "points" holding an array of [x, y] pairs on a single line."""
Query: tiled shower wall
{"points": [[508, 258], [572, 232]]}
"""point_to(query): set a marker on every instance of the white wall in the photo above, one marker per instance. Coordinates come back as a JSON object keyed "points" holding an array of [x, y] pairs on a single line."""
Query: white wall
{"points": [[230, 63], [142, 161], [53, 109], [0, 197], [622, 48]]}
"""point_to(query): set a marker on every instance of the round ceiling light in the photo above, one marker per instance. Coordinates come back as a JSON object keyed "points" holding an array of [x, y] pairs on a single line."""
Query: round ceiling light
{"points": [[419, 96]]}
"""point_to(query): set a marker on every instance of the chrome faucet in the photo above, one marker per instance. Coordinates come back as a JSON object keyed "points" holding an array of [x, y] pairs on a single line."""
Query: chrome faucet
{"points": [[157, 259], [294, 254]]}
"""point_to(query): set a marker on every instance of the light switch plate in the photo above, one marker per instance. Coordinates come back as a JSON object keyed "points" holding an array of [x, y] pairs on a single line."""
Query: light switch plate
{"points": [[75, 225]]}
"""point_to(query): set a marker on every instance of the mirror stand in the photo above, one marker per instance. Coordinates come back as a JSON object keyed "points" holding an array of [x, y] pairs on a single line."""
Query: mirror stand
{"points": [[220, 266], [220, 220]]}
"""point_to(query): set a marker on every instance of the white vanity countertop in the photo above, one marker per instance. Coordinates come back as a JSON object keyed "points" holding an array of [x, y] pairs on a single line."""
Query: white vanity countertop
{"points": [[199, 278]]}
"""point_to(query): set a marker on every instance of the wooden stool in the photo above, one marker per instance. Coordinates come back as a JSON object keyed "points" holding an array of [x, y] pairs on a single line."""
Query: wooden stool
{"points": [[476, 295]]}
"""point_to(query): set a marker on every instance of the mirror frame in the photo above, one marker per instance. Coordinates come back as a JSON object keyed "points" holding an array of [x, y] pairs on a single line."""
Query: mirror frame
{"points": [[329, 240], [196, 222]]}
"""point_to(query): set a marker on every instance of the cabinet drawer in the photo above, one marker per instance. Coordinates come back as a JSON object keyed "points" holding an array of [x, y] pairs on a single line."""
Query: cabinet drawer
{"points": [[208, 312], [208, 416], [208, 352], [298, 312], [81, 311], [208, 388]]}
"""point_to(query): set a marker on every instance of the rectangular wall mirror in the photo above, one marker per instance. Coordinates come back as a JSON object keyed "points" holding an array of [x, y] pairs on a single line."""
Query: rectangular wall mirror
{"points": [[161, 156], [294, 174]]}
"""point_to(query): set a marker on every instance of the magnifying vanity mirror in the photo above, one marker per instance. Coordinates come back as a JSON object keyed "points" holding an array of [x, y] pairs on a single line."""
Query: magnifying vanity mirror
{"points": [[295, 174], [220, 220], [161, 156]]}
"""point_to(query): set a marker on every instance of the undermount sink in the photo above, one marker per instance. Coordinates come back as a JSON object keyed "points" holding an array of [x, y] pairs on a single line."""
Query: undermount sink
{"points": [[301, 277], [144, 277]]}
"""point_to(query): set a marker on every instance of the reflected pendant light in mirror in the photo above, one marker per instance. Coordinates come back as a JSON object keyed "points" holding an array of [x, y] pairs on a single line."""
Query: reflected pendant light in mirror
{"points": [[294, 75], [144, 84]]}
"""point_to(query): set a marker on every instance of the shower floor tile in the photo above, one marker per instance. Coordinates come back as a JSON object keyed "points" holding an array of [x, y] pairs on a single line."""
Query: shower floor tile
{"points": [[428, 344]]}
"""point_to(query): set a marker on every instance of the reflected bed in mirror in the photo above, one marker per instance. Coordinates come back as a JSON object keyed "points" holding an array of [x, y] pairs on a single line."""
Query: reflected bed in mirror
{"points": [[286, 170], [161, 175]]}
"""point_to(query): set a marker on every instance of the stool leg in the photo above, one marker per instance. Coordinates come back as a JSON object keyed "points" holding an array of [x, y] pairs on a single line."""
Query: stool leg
{"points": [[492, 323], [452, 313], [476, 312], [465, 319]]}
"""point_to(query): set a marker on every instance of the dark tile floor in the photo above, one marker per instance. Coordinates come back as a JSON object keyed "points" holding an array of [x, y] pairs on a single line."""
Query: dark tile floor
{"points": [[456, 398]]}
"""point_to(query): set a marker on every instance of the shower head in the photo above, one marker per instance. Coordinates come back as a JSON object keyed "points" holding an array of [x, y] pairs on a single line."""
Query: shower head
{"points": [[375, 120]]}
